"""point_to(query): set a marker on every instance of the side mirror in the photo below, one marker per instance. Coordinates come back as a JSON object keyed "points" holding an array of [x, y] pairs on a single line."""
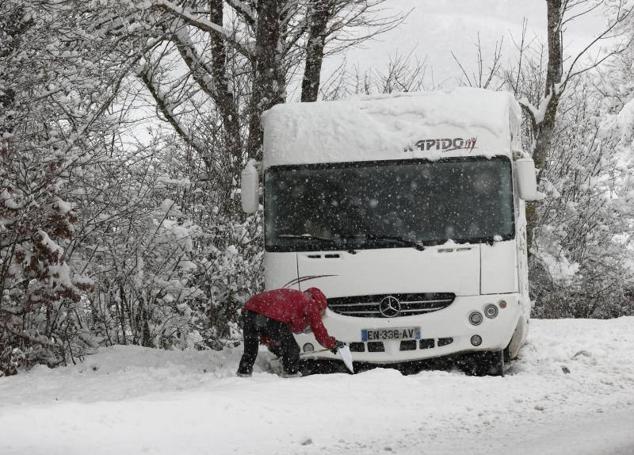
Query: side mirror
{"points": [[249, 188], [527, 179]]}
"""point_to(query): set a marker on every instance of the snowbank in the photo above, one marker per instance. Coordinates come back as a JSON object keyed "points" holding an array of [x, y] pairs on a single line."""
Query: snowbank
{"points": [[571, 392]]}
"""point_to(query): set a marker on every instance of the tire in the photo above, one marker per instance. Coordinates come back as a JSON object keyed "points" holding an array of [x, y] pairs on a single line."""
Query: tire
{"points": [[486, 363]]}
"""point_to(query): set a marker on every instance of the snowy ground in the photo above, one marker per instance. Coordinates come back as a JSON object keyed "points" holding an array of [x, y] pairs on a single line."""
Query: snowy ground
{"points": [[130, 400]]}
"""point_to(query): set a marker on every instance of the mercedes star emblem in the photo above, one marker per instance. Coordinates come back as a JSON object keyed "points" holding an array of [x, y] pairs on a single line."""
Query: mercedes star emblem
{"points": [[390, 307]]}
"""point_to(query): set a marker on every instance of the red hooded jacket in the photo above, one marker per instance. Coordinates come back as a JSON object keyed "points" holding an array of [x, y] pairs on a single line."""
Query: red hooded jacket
{"points": [[297, 308]]}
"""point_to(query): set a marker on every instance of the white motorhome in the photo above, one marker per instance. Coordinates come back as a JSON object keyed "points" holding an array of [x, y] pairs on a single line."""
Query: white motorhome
{"points": [[408, 212]]}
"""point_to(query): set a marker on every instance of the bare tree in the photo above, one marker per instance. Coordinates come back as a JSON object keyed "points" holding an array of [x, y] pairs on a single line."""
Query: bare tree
{"points": [[403, 73], [251, 60], [560, 13], [573, 151], [541, 77], [327, 21], [483, 77], [320, 12], [269, 86]]}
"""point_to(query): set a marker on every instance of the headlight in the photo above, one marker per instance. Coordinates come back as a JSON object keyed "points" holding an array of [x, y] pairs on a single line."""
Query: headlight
{"points": [[308, 347], [476, 340], [475, 318], [491, 311]]}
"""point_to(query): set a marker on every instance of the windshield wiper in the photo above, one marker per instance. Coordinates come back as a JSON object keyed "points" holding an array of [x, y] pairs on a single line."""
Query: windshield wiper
{"points": [[305, 237], [337, 241], [420, 246]]}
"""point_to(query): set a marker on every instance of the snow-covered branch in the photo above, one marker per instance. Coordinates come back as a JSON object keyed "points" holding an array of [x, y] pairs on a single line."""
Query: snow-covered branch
{"points": [[201, 23], [188, 16], [167, 109], [621, 16], [537, 113], [245, 10], [201, 72]]}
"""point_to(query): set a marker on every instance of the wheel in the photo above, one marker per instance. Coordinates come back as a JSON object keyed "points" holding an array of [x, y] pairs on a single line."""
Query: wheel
{"points": [[486, 363], [494, 364]]}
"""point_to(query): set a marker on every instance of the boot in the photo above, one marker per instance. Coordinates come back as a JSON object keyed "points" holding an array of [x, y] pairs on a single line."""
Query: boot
{"points": [[244, 372]]}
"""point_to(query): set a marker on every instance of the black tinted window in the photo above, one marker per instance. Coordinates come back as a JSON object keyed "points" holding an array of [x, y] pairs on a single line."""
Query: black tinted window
{"points": [[357, 204]]}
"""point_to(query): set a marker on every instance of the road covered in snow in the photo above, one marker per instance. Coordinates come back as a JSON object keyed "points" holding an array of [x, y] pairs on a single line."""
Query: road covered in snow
{"points": [[571, 392]]}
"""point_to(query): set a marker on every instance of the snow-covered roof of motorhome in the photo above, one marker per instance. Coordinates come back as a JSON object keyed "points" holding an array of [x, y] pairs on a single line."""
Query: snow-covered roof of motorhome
{"points": [[433, 125]]}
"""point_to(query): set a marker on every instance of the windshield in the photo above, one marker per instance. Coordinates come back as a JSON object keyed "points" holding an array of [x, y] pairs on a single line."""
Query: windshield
{"points": [[388, 204]]}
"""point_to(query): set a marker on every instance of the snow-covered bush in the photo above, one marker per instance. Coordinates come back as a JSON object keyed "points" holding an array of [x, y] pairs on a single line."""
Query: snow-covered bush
{"points": [[51, 100], [582, 248], [231, 261], [171, 266]]}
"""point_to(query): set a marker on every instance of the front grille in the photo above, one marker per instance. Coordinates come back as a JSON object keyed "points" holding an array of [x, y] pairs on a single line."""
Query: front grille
{"points": [[404, 345], [376, 346], [444, 341], [370, 306], [408, 345], [427, 343]]}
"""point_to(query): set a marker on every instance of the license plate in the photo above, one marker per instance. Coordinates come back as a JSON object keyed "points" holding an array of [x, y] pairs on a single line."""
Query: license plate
{"points": [[396, 333]]}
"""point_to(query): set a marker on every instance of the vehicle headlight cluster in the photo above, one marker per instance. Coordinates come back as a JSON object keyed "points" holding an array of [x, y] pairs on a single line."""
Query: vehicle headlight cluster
{"points": [[491, 311]]}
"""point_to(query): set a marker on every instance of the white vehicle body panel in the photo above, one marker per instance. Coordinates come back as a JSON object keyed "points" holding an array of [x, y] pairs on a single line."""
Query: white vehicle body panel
{"points": [[478, 274], [499, 268], [395, 270]]}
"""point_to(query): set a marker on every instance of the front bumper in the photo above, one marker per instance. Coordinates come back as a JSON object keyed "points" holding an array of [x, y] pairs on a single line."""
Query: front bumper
{"points": [[449, 329]]}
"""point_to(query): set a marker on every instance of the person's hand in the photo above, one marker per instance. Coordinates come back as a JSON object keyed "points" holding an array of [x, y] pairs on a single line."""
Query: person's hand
{"points": [[338, 344]]}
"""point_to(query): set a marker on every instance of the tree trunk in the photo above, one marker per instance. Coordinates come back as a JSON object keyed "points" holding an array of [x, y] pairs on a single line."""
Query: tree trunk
{"points": [[555, 58], [13, 27], [553, 78], [318, 22], [544, 135], [225, 101], [224, 94], [267, 91], [545, 128]]}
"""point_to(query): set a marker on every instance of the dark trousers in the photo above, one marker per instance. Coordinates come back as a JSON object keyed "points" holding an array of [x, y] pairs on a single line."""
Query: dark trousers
{"points": [[283, 343]]}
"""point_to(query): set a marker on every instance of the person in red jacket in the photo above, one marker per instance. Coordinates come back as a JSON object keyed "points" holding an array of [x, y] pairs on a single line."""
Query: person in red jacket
{"points": [[273, 316]]}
